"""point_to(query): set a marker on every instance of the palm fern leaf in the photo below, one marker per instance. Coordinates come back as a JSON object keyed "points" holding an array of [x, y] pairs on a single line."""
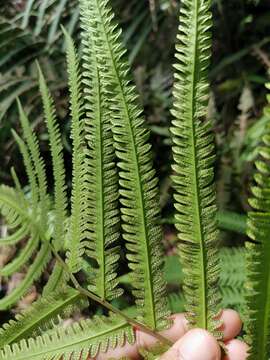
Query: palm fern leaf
{"points": [[258, 255], [39, 316], [102, 195], [79, 341], [193, 151], [138, 183]]}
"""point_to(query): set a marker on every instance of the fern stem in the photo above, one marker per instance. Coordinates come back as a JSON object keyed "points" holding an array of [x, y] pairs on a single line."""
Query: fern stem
{"points": [[107, 305]]}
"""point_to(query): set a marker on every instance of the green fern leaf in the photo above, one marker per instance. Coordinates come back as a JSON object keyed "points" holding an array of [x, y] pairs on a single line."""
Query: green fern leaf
{"points": [[103, 214], [138, 183], [77, 220], [38, 163], [60, 202], [79, 341], [258, 255], [193, 151], [43, 312]]}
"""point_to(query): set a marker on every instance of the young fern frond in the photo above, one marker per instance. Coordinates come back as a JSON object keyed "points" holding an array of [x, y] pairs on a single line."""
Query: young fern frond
{"points": [[258, 255], [41, 315], [138, 183], [77, 219], [193, 151], [79, 341], [60, 200], [102, 194]]}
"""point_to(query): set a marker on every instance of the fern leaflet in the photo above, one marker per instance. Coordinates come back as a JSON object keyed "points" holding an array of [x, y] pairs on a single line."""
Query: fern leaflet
{"points": [[40, 315], [81, 340], [60, 201], [103, 214], [193, 150], [77, 218]]}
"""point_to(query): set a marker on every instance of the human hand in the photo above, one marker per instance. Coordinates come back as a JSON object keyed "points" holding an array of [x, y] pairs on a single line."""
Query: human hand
{"points": [[195, 344]]}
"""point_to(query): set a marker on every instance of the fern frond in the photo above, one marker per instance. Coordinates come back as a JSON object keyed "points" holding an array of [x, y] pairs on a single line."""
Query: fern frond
{"points": [[138, 183], [40, 314], [33, 273], [193, 151], [38, 163], [60, 200], [103, 214], [77, 219], [258, 255], [79, 341]]}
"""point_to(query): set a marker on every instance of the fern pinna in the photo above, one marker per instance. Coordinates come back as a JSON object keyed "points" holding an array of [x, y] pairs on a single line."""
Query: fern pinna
{"points": [[137, 181], [258, 255], [193, 151]]}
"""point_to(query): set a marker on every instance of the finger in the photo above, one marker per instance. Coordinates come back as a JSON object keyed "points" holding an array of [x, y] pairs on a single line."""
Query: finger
{"points": [[197, 344], [143, 340], [236, 350], [175, 332], [232, 324]]}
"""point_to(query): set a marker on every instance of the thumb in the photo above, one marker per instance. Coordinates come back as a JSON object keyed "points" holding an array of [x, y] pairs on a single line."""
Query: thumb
{"points": [[197, 344]]}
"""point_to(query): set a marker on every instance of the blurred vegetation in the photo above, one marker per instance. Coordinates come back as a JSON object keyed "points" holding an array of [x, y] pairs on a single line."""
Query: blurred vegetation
{"points": [[30, 30]]}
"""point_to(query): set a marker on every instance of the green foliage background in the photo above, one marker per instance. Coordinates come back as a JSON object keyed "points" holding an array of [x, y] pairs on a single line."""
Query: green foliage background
{"points": [[31, 29], [239, 69]]}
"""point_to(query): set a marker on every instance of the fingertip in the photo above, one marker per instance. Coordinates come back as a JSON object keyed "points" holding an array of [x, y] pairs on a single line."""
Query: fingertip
{"points": [[236, 350], [197, 344], [232, 324]]}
